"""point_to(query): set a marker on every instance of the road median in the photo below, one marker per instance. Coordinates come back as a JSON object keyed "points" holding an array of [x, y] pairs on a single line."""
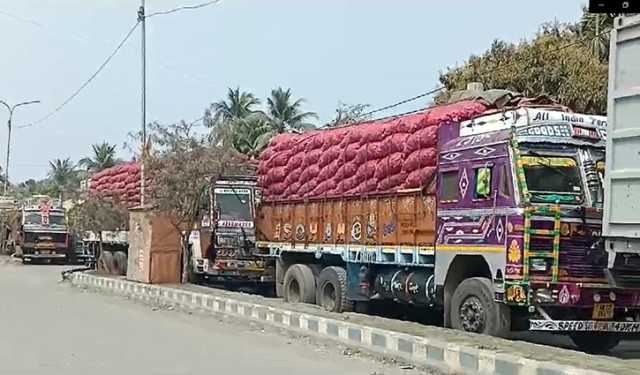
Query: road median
{"points": [[434, 352]]}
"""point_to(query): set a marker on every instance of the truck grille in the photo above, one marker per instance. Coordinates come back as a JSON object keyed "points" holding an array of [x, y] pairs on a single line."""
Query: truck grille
{"points": [[578, 260]]}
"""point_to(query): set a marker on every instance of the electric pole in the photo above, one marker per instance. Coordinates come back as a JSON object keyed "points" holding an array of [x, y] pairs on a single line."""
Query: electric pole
{"points": [[11, 109], [141, 18]]}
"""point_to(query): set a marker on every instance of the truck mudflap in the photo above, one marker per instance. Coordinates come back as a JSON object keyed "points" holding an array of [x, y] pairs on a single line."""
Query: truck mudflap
{"points": [[583, 326]]}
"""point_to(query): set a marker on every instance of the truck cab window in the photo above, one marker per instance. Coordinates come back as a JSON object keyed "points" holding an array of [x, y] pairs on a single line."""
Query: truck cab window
{"points": [[483, 183], [449, 186]]}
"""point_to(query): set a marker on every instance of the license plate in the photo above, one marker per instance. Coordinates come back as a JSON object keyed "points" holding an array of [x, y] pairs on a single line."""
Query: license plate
{"points": [[603, 310]]}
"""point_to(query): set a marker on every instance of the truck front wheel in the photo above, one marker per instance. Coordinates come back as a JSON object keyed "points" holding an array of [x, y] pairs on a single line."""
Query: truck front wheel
{"points": [[473, 309], [299, 284], [595, 343], [331, 293]]}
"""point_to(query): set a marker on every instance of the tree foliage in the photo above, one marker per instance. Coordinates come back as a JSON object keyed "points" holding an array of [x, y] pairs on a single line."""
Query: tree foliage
{"points": [[97, 215], [182, 167], [64, 177], [559, 62], [347, 114], [286, 114], [104, 156]]}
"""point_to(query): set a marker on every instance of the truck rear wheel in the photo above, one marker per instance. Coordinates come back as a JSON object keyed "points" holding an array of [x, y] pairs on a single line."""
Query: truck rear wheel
{"points": [[595, 342], [106, 263], [299, 284], [473, 309], [120, 262], [331, 293]]}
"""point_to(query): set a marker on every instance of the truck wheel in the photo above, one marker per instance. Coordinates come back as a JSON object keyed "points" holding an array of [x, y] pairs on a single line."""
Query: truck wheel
{"points": [[281, 269], [331, 292], [120, 262], [299, 284], [106, 262], [473, 309], [595, 343]]}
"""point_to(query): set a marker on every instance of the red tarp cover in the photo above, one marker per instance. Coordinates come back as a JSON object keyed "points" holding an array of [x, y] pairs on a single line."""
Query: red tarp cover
{"points": [[369, 158]]}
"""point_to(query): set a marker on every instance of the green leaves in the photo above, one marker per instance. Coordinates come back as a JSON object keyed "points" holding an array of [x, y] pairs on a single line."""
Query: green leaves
{"points": [[558, 62]]}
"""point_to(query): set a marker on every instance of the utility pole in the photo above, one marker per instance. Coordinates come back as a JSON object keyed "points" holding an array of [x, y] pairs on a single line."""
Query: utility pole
{"points": [[141, 18], [6, 166]]}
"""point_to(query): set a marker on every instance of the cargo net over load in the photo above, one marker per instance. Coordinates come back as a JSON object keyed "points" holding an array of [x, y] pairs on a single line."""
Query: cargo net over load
{"points": [[373, 158], [120, 183]]}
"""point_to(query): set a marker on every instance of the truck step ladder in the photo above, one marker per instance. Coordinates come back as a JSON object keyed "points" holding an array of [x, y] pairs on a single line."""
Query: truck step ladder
{"points": [[554, 254]]}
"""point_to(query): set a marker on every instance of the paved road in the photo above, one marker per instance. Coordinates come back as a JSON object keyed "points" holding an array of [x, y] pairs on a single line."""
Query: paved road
{"points": [[51, 328]]}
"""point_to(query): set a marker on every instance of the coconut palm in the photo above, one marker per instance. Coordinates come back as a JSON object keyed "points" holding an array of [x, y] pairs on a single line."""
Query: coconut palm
{"points": [[286, 114], [104, 156], [63, 175], [237, 104], [251, 134], [595, 28], [219, 115]]}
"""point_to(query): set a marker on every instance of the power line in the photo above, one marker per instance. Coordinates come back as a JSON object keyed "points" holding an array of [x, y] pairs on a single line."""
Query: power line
{"points": [[390, 106], [86, 83], [186, 7]]}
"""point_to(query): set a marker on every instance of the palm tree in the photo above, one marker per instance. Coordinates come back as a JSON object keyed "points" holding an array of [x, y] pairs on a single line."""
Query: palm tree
{"points": [[251, 134], [218, 116], [104, 156], [286, 114], [595, 28], [63, 175]]}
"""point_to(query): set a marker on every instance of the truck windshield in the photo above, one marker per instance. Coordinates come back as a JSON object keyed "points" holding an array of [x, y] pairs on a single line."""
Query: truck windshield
{"points": [[553, 178], [36, 218], [233, 204]]}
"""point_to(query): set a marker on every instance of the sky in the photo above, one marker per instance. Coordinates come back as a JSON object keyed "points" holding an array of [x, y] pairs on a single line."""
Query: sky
{"points": [[373, 52]]}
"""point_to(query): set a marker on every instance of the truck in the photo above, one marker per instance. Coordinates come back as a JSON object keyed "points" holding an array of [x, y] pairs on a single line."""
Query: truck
{"points": [[229, 227], [41, 233], [486, 210], [621, 222]]}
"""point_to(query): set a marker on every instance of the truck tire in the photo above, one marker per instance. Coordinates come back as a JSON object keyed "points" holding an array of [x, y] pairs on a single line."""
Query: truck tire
{"points": [[120, 262], [331, 292], [473, 309], [281, 269], [595, 342], [106, 263], [299, 284]]}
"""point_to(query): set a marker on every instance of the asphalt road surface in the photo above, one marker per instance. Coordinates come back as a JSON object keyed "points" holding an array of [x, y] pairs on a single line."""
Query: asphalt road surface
{"points": [[48, 327]]}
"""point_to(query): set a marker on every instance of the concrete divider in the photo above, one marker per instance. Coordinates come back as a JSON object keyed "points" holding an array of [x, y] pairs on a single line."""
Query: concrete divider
{"points": [[421, 351]]}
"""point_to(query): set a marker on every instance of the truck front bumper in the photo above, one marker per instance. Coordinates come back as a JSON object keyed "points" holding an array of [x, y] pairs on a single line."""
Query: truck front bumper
{"points": [[583, 326], [44, 256]]}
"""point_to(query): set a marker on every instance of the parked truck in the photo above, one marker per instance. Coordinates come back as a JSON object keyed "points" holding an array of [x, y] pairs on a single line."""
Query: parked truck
{"points": [[621, 225], [41, 233], [487, 210], [230, 224]]}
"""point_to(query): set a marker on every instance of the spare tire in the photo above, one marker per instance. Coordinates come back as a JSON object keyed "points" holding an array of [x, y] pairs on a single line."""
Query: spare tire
{"points": [[299, 284]]}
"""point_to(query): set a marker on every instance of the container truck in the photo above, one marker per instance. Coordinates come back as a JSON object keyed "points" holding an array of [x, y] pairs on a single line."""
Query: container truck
{"points": [[621, 224], [486, 210]]}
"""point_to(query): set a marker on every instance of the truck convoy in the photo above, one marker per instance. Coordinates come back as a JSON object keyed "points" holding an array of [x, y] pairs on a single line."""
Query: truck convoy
{"points": [[487, 210]]}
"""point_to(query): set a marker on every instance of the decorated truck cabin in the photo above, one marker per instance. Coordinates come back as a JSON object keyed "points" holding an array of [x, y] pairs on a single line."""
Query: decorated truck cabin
{"points": [[488, 209]]}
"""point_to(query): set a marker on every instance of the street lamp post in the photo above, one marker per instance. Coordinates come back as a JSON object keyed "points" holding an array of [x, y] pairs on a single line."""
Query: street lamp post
{"points": [[11, 109]]}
